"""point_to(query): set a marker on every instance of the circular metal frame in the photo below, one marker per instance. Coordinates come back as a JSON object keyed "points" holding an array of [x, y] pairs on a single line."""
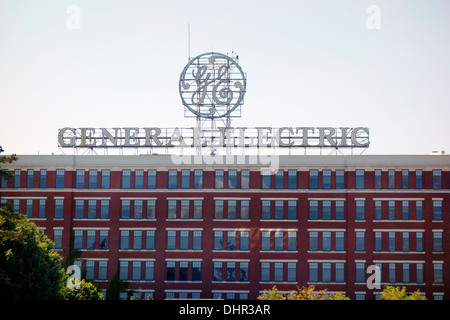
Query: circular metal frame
{"points": [[212, 85]]}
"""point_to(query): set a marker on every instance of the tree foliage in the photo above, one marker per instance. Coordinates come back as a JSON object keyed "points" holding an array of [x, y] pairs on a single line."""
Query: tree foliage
{"points": [[87, 291], [304, 293], [397, 293], [29, 267]]}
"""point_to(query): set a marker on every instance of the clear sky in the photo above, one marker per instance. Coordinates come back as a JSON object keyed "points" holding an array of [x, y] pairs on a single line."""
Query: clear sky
{"points": [[308, 63]]}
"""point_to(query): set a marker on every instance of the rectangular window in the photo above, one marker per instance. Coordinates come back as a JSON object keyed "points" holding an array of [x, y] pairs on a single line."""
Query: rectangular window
{"points": [[418, 178], [123, 270], [59, 208], [313, 241], [340, 179], [265, 210], [326, 210], [326, 241], [104, 209], [172, 180], [41, 213], [151, 209], [391, 241], [218, 209], [340, 241], [405, 241], [419, 210], [232, 179], [265, 271], [137, 240], [57, 238], [171, 240], [90, 270], [313, 210], [326, 179], [218, 271], [125, 209], [126, 179], [265, 240], [196, 271], [437, 178], [198, 209], [279, 239], [198, 178], [378, 241], [124, 239], [29, 208], [392, 272], [279, 179], [291, 272], [419, 241], [326, 272], [391, 210], [16, 178], [90, 240], [151, 178], [378, 210], [243, 271], [92, 209], [339, 272], [437, 241], [244, 240], [231, 240], [360, 241], [339, 210], [377, 179], [106, 179], [102, 270], [184, 240], [292, 210], [218, 178], [103, 240], [170, 270], [184, 209], [149, 270], [437, 210], [138, 209], [360, 181], [405, 210], [313, 275], [150, 240], [218, 240], [419, 273], [231, 211], [78, 239], [245, 209], [279, 209], [391, 178], [360, 210], [405, 273], [16, 205], [405, 179], [171, 209], [196, 240], [30, 178], [183, 272], [265, 179], [314, 179], [292, 179], [185, 178], [278, 271], [43, 178], [92, 179], [437, 273], [360, 275], [139, 179], [245, 179], [79, 181]]}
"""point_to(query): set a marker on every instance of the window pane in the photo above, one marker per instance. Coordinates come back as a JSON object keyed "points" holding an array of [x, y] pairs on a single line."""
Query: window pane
{"points": [[198, 179], [126, 179], [218, 183], [313, 179], [245, 178], [172, 183], [326, 179], [106, 177], [139, 179], [92, 179], [360, 182], [292, 179], [232, 179]]}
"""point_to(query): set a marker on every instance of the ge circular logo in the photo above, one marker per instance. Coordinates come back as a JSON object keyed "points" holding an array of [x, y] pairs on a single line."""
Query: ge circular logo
{"points": [[212, 85]]}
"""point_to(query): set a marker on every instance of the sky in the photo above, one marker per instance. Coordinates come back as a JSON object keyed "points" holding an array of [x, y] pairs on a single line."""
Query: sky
{"points": [[339, 63]]}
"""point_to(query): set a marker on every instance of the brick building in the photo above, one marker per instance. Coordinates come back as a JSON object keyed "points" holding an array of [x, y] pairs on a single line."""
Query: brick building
{"points": [[231, 231]]}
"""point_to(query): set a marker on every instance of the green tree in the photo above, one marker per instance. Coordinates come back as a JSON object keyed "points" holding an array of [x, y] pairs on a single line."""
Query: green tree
{"points": [[304, 293], [29, 267], [87, 291], [397, 293]]}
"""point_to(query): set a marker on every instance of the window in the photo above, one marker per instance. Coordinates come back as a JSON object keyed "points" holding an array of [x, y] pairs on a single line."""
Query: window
{"points": [[43, 178], [90, 270], [231, 212], [292, 179], [92, 179], [172, 179], [137, 239], [41, 213], [92, 209], [232, 179], [378, 241], [340, 211], [359, 180], [184, 240], [391, 210], [377, 179], [419, 210], [103, 240], [278, 271], [79, 181], [437, 210], [265, 271], [313, 241], [405, 272], [218, 181], [90, 240], [218, 209], [405, 179], [360, 210], [279, 179], [278, 241], [437, 241], [418, 178], [419, 241], [171, 240], [106, 177], [360, 275], [244, 240], [326, 210], [16, 178], [171, 209], [78, 239], [57, 239], [314, 179], [231, 240], [196, 240], [139, 179], [279, 209], [185, 179], [125, 209], [419, 273], [313, 210], [291, 272], [265, 240], [292, 209], [245, 209], [102, 270], [378, 210], [340, 179], [437, 273], [437, 178], [149, 271], [326, 179], [196, 271], [326, 272], [150, 240], [339, 272], [326, 241], [104, 209], [391, 179], [198, 179], [313, 275], [245, 179], [218, 274], [30, 178], [126, 179], [243, 271], [360, 241], [29, 208], [123, 270], [151, 179], [405, 210], [405, 241], [16, 205], [218, 240], [184, 209], [151, 209], [124, 239], [198, 209], [170, 270], [59, 208], [392, 272], [340, 241], [265, 210], [265, 179], [391, 242]]}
